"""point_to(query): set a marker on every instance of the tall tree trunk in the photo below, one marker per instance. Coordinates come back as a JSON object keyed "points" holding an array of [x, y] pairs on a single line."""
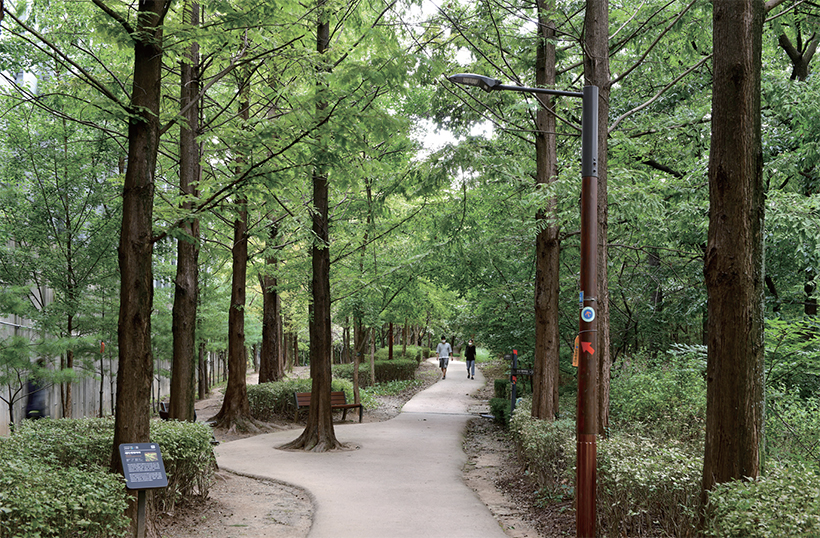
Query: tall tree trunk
{"points": [[406, 337], [596, 73], [236, 408], [547, 244], [390, 342], [319, 435], [136, 363], [271, 366], [733, 266], [203, 372], [68, 401], [136, 247], [373, 356], [186, 290]]}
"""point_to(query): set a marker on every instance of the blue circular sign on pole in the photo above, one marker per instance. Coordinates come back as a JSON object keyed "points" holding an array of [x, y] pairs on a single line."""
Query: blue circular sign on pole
{"points": [[588, 314]]}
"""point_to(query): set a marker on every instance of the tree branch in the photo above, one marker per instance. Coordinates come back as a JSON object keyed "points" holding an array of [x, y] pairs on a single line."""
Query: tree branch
{"points": [[658, 95], [58, 55]]}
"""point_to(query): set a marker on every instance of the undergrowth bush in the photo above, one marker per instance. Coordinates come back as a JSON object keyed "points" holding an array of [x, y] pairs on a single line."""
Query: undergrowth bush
{"points": [[395, 370], [44, 501], [661, 397], [276, 400], [642, 483], [785, 502], [54, 473], [792, 427], [646, 483]]}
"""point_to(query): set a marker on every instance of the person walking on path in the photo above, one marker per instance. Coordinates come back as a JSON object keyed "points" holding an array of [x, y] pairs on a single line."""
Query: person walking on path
{"points": [[443, 351], [469, 356]]}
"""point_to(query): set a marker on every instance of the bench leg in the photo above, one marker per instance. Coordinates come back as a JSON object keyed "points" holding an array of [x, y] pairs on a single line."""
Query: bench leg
{"points": [[361, 408], [344, 413]]}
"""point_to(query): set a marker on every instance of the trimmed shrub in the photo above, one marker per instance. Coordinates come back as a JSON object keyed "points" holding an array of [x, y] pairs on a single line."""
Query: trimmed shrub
{"points": [[275, 400], [83, 443], [395, 370], [644, 483], [40, 500], [548, 448], [500, 409], [413, 353], [641, 484], [72, 448], [188, 457], [786, 502], [271, 400], [501, 388]]}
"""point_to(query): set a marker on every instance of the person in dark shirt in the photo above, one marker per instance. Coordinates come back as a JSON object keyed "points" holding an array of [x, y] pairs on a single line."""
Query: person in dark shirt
{"points": [[469, 356]]}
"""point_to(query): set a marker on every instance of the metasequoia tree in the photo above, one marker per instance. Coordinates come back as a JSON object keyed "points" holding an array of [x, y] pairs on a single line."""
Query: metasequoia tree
{"points": [[733, 266], [186, 291], [271, 362], [547, 240], [235, 409], [136, 363], [319, 435]]}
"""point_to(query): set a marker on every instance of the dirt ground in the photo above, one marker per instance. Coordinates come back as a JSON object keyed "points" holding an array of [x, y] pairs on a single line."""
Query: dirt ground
{"points": [[238, 506]]}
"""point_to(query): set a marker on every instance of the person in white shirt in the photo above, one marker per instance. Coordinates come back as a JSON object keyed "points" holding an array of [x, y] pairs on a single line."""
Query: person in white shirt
{"points": [[443, 351]]}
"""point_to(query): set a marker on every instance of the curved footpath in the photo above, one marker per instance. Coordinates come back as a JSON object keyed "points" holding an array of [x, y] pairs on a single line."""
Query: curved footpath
{"points": [[405, 479]]}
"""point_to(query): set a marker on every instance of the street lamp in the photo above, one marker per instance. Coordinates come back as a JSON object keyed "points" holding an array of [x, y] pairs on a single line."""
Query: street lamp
{"points": [[587, 419]]}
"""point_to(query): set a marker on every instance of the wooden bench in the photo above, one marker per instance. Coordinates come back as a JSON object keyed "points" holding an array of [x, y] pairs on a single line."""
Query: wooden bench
{"points": [[337, 401]]}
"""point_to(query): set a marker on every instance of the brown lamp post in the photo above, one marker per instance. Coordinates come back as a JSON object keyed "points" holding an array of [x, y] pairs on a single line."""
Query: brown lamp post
{"points": [[587, 418]]}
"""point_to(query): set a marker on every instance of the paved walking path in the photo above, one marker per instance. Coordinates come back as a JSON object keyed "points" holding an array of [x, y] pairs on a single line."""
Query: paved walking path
{"points": [[405, 480]]}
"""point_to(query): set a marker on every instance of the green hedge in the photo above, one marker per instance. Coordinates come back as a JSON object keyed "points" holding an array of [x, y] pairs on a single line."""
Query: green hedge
{"points": [[642, 483], [415, 353], [275, 400], [786, 502], [500, 409], [395, 370], [501, 387], [189, 460], [54, 474], [43, 501]]}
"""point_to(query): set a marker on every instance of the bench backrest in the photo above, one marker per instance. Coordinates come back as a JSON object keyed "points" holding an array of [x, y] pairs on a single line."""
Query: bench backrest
{"points": [[336, 398]]}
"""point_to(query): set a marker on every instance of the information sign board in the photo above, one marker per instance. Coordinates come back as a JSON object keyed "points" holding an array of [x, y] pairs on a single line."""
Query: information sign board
{"points": [[142, 466]]}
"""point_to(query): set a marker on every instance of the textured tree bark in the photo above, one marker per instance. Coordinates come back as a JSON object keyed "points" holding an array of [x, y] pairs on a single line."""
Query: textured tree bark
{"points": [[319, 435], [733, 266], [547, 244], [183, 325], [236, 410], [271, 364], [596, 72], [136, 364], [136, 248]]}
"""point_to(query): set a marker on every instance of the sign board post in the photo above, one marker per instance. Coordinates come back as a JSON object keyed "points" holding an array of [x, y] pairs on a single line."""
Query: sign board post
{"points": [[143, 469]]}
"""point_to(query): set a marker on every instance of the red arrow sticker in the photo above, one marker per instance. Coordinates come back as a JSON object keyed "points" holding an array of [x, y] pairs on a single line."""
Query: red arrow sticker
{"points": [[587, 346]]}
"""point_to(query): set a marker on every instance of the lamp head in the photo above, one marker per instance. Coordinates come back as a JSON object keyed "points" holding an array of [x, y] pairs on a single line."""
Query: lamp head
{"points": [[469, 79]]}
